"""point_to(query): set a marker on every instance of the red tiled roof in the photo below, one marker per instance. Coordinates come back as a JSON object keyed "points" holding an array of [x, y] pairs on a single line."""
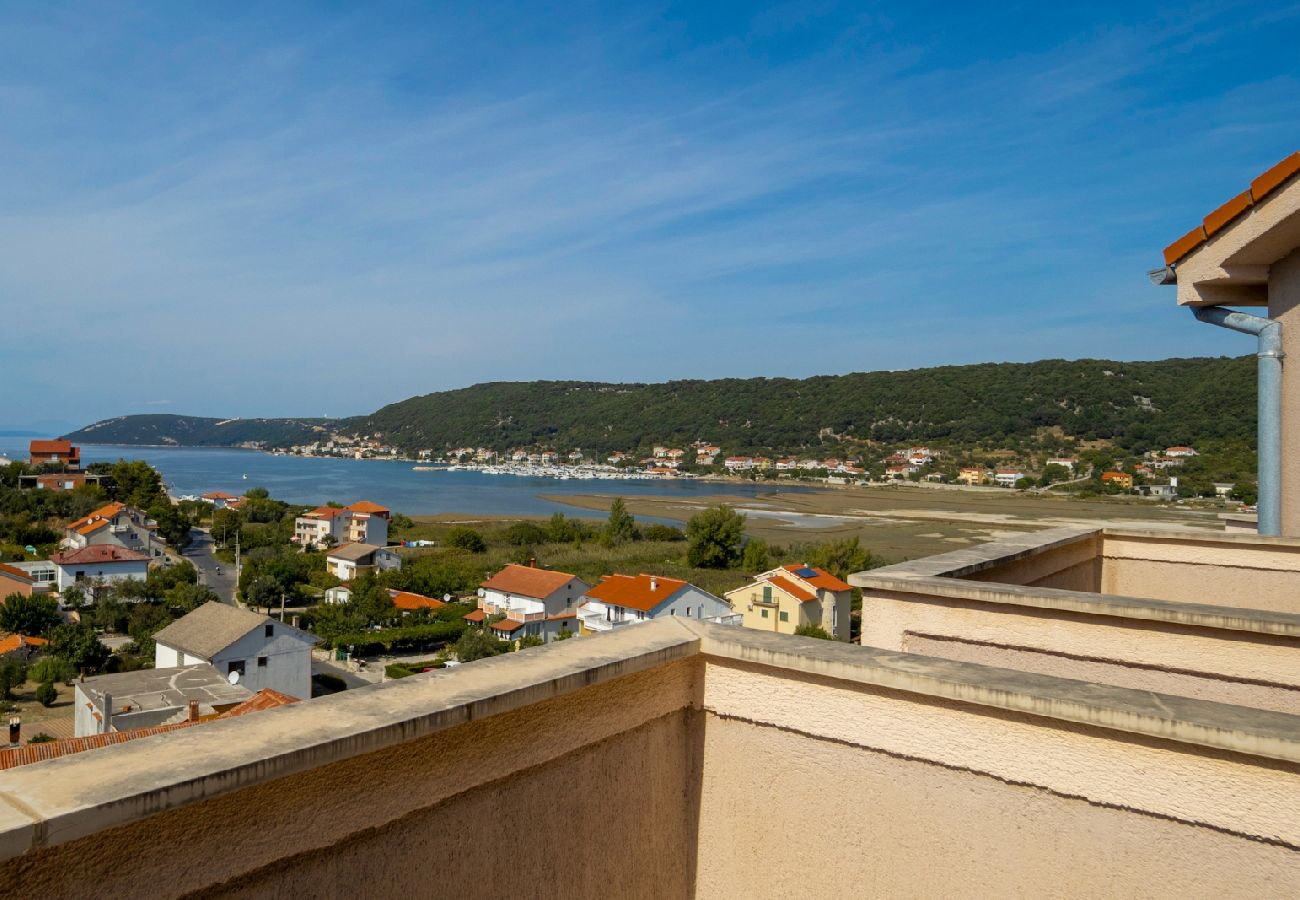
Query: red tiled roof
{"points": [[12, 642], [567, 614], [526, 581], [794, 590], [30, 753], [325, 512], [47, 447], [1216, 221], [822, 579], [14, 572], [365, 506], [476, 616], [509, 626], [98, 554], [633, 592], [97, 519], [408, 600], [218, 495]]}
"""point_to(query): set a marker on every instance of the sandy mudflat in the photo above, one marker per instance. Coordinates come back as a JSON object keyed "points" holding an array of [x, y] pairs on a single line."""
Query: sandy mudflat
{"points": [[906, 522]]}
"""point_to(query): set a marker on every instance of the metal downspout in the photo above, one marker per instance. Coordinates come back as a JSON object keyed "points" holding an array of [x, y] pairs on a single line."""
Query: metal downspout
{"points": [[1270, 406]]}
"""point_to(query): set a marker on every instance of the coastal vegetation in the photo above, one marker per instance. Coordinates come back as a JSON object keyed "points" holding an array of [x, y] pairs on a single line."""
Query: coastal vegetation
{"points": [[1132, 405]]}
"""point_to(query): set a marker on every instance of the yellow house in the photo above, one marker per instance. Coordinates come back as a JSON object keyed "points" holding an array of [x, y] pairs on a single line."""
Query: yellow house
{"points": [[971, 475], [787, 598], [1123, 479]]}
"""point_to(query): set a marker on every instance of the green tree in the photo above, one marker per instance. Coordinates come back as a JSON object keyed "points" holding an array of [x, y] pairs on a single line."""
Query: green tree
{"points": [[478, 643], [50, 668], [813, 631], [525, 534], [841, 558], [46, 693], [34, 615], [563, 634], [754, 558], [530, 640], [715, 536], [465, 538], [12, 674], [79, 645], [136, 483], [620, 527]]}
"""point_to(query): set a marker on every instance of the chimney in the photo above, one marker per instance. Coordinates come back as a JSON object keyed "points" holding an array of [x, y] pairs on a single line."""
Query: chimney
{"points": [[108, 713], [15, 730], [654, 584], [296, 620], [194, 711], [532, 562]]}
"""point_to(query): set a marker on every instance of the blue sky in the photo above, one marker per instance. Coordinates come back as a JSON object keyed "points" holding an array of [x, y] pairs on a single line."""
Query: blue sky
{"points": [[278, 209]]}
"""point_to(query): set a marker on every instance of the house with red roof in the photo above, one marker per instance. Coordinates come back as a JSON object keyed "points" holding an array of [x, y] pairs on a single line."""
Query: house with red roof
{"points": [[531, 601], [627, 599], [363, 522], [98, 566], [218, 499], [55, 453], [117, 525], [793, 596]]}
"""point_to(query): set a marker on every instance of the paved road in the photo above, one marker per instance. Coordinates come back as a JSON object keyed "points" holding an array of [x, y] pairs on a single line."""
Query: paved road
{"points": [[200, 552]]}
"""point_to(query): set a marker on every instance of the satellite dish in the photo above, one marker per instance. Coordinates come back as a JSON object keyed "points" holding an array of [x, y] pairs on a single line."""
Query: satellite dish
{"points": [[233, 677]]}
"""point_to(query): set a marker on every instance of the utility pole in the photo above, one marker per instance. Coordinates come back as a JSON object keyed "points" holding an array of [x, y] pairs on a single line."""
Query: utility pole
{"points": [[237, 557]]}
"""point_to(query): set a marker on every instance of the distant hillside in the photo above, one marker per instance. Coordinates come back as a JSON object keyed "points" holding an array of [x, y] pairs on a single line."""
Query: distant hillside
{"points": [[1136, 404], [195, 431], [1152, 403]]}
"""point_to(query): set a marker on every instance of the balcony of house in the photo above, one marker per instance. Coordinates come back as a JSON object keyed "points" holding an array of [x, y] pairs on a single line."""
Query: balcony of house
{"points": [[872, 773], [1209, 615]]}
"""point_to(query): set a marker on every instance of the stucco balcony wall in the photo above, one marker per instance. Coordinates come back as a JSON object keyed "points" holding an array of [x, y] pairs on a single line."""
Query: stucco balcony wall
{"points": [[1211, 616], [680, 759]]}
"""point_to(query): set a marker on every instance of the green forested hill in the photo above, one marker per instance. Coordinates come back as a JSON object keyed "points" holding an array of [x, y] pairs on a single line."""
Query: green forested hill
{"points": [[1136, 404], [195, 431]]}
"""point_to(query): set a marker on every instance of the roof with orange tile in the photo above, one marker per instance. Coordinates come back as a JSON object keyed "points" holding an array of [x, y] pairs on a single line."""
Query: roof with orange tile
{"points": [[789, 587], [509, 626], [408, 600], [50, 447], [476, 616], [526, 581], [15, 572], [641, 592], [12, 642], [218, 495], [97, 519], [366, 506], [325, 512], [818, 578], [1257, 193]]}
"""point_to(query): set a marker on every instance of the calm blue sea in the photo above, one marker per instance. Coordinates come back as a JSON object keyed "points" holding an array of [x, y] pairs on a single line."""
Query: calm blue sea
{"points": [[394, 484]]}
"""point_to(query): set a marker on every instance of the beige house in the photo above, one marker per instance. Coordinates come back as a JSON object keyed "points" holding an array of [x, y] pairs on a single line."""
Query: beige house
{"points": [[786, 599]]}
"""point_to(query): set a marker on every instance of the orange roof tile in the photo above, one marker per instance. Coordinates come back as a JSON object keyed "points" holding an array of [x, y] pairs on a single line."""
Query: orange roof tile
{"points": [[476, 616], [819, 579], [365, 506], [1260, 188], [408, 600], [37, 447], [97, 519], [266, 698], [634, 591], [526, 581], [789, 587], [12, 642], [98, 554], [325, 512], [15, 572], [509, 626]]}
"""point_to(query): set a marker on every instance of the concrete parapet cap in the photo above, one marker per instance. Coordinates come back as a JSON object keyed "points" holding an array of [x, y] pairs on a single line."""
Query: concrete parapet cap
{"points": [[1205, 723], [1201, 615], [1186, 536], [983, 556]]}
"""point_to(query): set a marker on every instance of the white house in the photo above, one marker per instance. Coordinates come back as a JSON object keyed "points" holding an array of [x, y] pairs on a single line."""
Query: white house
{"points": [[351, 560], [1007, 477], [250, 649], [361, 523], [534, 601], [218, 499], [738, 463], [626, 599], [116, 525], [98, 565]]}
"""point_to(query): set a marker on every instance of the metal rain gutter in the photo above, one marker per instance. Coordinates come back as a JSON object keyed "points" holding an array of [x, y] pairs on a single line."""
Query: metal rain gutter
{"points": [[1269, 441]]}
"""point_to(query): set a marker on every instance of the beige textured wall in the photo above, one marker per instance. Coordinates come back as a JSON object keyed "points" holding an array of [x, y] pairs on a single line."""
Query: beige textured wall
{"points": [[1284, 306], [1261, 576], [562, 798], [814, 788], [1224, 666], [1071, 567]]}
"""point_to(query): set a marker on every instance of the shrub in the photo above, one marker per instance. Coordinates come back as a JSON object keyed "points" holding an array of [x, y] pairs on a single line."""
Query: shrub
{"points": [[408, 637], [813, 631], [396, 670], [40, 738], [464, 538], [525, 534], [46, 694], [50, 668], [530, 640]]}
